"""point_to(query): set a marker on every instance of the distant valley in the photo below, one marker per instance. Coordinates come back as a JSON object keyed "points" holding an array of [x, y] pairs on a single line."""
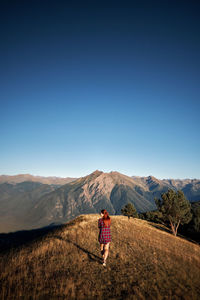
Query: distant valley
{"points": [[28, 202]]}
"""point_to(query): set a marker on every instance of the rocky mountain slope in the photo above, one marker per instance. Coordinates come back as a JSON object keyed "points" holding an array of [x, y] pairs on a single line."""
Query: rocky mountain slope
{"points": [[190, 187], [65, 263], [90, 194], [47, 204], [99, 190]]}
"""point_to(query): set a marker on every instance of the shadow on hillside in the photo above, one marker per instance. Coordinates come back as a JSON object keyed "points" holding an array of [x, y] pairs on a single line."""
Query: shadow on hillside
{"points": [[91, 256], [158, 226], [191, 238], [18, 239]]}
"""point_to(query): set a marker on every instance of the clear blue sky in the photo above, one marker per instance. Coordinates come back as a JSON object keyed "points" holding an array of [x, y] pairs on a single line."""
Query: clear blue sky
{"points": [[88, 85]]}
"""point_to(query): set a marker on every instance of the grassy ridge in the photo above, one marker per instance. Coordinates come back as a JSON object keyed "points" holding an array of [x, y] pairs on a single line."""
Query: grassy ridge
{"points": [[144, 263]]}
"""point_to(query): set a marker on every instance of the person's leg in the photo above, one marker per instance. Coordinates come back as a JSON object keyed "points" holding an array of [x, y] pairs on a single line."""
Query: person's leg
{"points": [[106, 251], [102, 249]]}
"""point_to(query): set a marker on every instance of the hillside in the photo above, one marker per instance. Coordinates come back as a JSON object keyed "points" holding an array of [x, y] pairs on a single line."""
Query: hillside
{"points": [[65, 263]]}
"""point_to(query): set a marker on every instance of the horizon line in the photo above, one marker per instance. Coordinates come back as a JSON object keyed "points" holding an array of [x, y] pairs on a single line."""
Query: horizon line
{"points": [[61, 177]]}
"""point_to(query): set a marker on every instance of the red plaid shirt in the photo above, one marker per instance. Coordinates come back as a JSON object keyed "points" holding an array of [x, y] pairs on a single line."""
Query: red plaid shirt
{"points": [[104, 233]]}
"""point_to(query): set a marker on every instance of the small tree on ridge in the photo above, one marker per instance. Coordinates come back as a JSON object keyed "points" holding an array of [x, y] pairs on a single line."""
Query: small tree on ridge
{"points": [[175, 208], [129, 211]]}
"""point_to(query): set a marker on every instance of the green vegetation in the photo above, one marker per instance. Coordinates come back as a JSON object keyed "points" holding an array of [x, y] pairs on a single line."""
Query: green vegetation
{"points": [[152, 216], [190, 230], [129, 211], [175, 208], [196, 217]]}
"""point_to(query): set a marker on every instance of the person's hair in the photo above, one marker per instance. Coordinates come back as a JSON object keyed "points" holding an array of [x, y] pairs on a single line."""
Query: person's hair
{"points": [[106, 218]]}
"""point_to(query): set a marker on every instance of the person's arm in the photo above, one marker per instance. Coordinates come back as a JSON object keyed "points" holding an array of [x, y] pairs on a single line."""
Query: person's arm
{"points": [[99, 225]]}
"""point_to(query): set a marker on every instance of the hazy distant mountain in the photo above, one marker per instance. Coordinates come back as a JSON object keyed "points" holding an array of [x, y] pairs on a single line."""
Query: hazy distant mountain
{"points": [[16, 200], [31, 205], [190, 187], [27, 177]]}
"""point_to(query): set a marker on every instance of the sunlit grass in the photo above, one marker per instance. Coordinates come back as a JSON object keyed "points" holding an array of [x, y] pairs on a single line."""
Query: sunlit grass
{"points": [[143, 263]]}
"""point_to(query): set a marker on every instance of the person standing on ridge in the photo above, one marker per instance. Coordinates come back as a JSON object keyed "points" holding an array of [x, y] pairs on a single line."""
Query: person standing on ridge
{"points": [[104, 234]]}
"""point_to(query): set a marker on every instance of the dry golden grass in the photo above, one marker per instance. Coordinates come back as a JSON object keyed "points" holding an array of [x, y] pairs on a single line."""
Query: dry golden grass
{"points": [[143, 263]]}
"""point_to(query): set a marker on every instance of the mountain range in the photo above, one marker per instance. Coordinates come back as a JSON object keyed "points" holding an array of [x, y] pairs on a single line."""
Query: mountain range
{"points": [[27, 177], [30, 204]]}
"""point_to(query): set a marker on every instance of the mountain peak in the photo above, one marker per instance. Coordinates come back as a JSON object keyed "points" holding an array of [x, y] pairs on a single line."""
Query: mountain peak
{"points": [[97, 172], [115, 172], [152, 178]]}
